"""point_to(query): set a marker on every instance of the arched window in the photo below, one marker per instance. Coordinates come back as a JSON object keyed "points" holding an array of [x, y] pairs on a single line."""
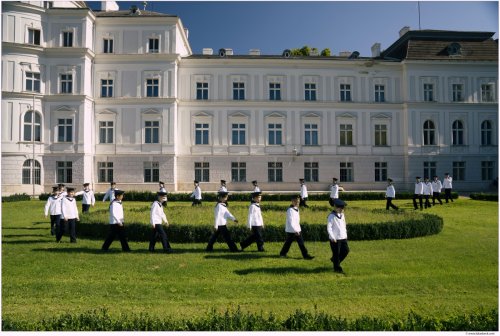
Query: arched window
{"points": [[32, 126], [457, 133], [429, 133], [28, 167], [486, 133]]}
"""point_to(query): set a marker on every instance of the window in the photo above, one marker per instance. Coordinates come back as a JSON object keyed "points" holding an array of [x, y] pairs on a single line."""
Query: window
{"points": [[430, 169], [32, 128], [238, 171], [152, 87], [64, 130], [201, 91], [64, 172], [274, 134], [106, 132], [346, 172], [238, 91], [459, 170], [345, 92], [107, 47], [457, 133], [151, 172], [486, 92], [34, 36], [380, 135], [311, 134], [429, 133], [151, 132], [66, 83], [457, 91], [106, 88], [33, 82], [487, 170], [28, 168], [379, 93], [380, 171], [346, 135], [201, 134], [154, 45], [238, 134], [486, 133], [310, 91], [275, 171], [67, 39], [274, 91], [202, 171], [105, 173], [428, 92], [311, 171]]}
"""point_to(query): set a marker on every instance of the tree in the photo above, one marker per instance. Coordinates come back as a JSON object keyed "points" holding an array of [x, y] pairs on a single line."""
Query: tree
{"points": [[326, 52]]}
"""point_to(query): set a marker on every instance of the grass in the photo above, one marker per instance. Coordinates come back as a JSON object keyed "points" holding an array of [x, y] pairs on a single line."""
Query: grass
{"points": [[453, 272]]}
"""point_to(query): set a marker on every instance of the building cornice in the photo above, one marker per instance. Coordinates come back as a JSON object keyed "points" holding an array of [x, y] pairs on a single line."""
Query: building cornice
{"points": [[282, 105], [22, 6], [134, 101], [30, 49], [144, 58], [138, 20], [449, 62], [69, 52]]}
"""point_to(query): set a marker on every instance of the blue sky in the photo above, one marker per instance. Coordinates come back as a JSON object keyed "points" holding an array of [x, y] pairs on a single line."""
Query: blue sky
{"points": [[273, 26]]}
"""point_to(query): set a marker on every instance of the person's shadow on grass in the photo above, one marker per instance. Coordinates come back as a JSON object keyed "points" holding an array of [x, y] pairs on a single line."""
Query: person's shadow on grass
{"points": [[283, 270]]}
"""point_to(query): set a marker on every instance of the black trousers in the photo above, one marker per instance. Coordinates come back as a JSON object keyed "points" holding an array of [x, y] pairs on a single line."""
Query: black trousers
{"points": [[85, 208], [71, 227], [436, 195], [227, 237], [196, 202], [415, 196], [54, 223], [116, 230], [447, 195], [389, 204], [290, 238], [303, 202], [340, 250], [256, 236], [427, 202], [159, 232]]}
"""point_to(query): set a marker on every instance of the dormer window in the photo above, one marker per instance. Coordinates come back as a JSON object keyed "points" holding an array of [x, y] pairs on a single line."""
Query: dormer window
{"points": [[454, 49]]}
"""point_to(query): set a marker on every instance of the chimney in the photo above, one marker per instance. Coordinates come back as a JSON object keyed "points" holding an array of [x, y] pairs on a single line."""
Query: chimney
{"points": [[344, 53], [404, 30], [376, 50], [186, 31], [208, 51], [229, 52], [254, 52], [109, 6]]}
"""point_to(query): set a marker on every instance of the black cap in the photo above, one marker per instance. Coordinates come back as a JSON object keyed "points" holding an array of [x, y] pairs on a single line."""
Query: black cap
{"points": [[222, 193], [161, 193], [301, 179], [389, 180], [254, 181], [418, 177], [60, 185], [339, 203], [111, 183], [447, 173], [119, 192], [55, 189], [86, 184], [434, 176], [195, 181], [70, 190], [335, 179], [257, 193], [161, 182], [222, 181]]}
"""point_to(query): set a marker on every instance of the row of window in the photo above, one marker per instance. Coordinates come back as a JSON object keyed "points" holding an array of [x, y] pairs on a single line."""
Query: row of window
{"points": [[64, 171]]}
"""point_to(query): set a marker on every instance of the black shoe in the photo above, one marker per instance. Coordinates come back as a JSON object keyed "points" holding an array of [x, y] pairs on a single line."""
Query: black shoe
{"points": [[308, 257], [261, 250], [209, 249], [338, 270], [282, 255], [169, 250]]}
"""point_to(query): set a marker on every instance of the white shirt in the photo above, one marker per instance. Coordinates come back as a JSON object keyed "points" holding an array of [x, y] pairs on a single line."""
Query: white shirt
{"points": [[256, 189], [68, 208], [390, 192], [223, 188], [222, 214], [109, 194], [88, 196], [303, 191], [254, 216], [334, 191], [196, 193], [447, 182], [292, 220], [419, 188], [436, 186], [427, 189], [157, 216], [116, 212], [336, 227], [53, 206]]}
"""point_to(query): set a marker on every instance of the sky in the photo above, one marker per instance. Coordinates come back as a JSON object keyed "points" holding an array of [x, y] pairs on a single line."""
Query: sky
{"points": [[273, 26]]}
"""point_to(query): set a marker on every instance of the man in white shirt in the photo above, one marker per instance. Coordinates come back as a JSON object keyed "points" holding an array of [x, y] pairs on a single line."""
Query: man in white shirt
{"points": [[53, 206], [196, 195], [110, 194], [334, 191], [88, 198], [223, 187], [255, 186], [436, 190], [447, 185], [303, 194], [157, 218], [337, 233], [222, 214], [69, 213], [390, 194], [427, 192], [293, 230], [419, 190], [255, 223], [116, 223]]}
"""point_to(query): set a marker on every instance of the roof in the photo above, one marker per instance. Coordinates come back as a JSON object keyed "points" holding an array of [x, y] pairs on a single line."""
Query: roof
{"points": [[127, 13], [438, 50]]}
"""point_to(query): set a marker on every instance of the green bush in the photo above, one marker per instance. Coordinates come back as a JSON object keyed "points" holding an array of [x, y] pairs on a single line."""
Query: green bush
{"points": [[16, 198], [101, 320], [484, 197]]}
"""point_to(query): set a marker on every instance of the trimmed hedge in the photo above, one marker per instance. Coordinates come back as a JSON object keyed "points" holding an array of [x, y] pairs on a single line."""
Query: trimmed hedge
{"points": [[484, 197], [16, 198], [101, 320]]}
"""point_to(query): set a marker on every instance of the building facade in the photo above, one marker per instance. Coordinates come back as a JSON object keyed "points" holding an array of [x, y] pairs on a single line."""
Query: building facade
{"points": [[118, 95]]}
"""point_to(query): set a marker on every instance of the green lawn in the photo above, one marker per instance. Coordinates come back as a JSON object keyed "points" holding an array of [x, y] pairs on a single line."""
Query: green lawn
{"points": [[453, 272]]}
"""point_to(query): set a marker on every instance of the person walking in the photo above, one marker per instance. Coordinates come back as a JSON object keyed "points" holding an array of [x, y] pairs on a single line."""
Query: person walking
{"points": [[334, 191], [196, 195], [436, 190], [116, 223], [293, 230], [337, 233], [255, 186], [427, 192], [69, 213], [448, 186], [255, 223], [88, 198], [221, 215], [53, 207], [419, 190], [390, 194], [303, 194], [110, 194], [157, 218]]}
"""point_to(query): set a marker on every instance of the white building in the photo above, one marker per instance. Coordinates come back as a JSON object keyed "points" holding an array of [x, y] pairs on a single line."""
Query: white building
{"points": [[118, 95]]}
